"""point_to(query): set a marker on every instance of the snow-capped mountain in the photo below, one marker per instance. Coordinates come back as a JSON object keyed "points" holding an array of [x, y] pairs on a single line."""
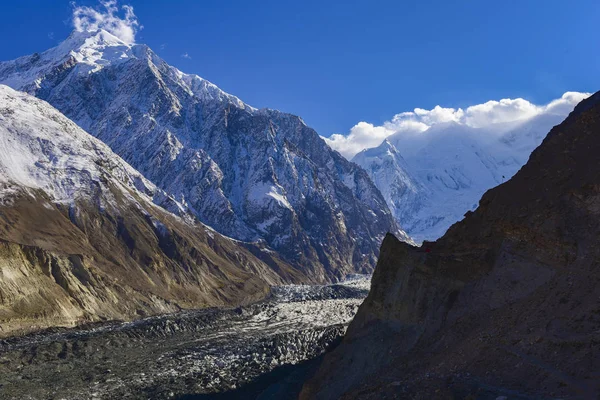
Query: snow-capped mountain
{"points": [[40, 149], [251, 174], [431, 179], [82, 237], [390, 173]]}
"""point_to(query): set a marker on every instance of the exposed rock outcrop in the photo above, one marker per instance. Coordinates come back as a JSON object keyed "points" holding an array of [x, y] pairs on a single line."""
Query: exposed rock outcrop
{"points": [[507, 303]]}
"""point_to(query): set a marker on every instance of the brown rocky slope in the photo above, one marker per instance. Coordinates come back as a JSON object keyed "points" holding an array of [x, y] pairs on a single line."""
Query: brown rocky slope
{"points": [[505, 305]]}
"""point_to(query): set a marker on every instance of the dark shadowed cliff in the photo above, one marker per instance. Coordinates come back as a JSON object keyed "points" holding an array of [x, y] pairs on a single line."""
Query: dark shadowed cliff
{"points": [[507, 303]]}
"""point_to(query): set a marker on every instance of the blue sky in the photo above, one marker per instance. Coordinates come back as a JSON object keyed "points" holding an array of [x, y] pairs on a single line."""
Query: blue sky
{"points": [[338, 63]]}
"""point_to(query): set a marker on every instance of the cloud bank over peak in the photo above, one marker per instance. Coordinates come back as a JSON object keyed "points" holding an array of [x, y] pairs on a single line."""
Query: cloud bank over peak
{"points": [[365, 135], [89, 19]]}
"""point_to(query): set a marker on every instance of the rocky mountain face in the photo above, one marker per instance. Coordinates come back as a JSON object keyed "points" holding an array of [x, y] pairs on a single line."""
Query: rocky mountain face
{"points": [[506, 303], [430, 179], [251, 174], [85, 237]]}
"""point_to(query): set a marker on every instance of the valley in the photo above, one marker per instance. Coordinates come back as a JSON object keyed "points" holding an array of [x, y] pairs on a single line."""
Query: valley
{"points": [[193, 353]]}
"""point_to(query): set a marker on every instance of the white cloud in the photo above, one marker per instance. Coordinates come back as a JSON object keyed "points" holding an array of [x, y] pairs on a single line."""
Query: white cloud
{"points": [[505, 110], [186, 56], [51, 35], [365, 135], [88, 19], [566, 103]]}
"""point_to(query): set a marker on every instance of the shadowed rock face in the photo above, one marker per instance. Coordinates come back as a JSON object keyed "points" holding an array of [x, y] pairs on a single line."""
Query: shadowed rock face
{"points": [[507, 303]]}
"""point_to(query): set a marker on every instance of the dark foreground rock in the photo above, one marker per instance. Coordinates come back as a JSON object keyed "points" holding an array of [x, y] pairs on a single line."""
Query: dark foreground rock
{"points": [[505, 305]]}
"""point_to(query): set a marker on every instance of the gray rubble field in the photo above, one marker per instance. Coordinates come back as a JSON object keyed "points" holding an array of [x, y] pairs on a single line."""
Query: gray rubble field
{"points": [[192, 353]]}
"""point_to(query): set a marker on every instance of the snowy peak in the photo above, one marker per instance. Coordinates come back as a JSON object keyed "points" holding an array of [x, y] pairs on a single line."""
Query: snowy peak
{"points": [[453, 165], [384, 156], [90, 50], [41, 149], [95, 48], [386, 148], [391, 174], [89, 42]]}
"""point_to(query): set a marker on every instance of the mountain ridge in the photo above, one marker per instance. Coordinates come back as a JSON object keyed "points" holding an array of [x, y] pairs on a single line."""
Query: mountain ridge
{"points": [[84, 237]]}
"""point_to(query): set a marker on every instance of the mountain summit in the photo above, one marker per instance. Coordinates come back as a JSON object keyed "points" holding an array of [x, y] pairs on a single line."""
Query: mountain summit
{"points": [[251, 174]]}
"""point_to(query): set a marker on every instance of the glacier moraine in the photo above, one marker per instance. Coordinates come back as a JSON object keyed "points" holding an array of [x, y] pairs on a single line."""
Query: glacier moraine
{"points": [[257, 351]]}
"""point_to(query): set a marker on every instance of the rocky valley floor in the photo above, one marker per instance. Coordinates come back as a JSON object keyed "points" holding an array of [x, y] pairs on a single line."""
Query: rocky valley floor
{"points": [[264, 349]]}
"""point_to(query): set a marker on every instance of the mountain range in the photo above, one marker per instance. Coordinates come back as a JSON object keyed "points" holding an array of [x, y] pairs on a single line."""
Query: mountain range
{"points": [[134, 179], [253, 175], [130, 188], [85, 237]]}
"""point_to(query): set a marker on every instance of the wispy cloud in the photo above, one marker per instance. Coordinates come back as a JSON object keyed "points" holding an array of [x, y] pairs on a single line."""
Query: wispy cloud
{"points": [[365, 135], [91, 19], [51, 35], [186, 56], [163, 46]]}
